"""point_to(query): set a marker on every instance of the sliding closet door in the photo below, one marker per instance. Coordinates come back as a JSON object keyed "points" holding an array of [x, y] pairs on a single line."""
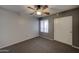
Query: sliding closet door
{"points": [[63, 29]]}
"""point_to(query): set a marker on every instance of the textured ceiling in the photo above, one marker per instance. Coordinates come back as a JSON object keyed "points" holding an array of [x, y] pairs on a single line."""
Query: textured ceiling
{"points": [[24, 10]]}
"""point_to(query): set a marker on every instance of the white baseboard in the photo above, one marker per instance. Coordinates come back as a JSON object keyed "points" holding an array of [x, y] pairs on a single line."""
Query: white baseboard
{"points": [[17, 42], [62, 42], [75, 47], [46, 38], [70, 45]]}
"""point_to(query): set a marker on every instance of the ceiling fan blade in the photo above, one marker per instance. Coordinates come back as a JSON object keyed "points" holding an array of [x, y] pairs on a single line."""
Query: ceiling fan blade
{"points": [[31, 8], [47, 13], [45, 7], [32, 13]]}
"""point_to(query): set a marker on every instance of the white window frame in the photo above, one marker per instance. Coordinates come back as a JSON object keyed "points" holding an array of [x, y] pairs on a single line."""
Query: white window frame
{"points": [[44, 26]]}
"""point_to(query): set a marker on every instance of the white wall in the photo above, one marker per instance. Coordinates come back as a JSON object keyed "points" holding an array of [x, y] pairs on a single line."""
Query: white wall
{"points": [[14, 28]]}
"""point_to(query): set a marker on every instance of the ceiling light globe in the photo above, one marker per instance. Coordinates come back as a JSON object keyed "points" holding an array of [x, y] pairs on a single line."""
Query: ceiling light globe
{"points": [[38, 13]]}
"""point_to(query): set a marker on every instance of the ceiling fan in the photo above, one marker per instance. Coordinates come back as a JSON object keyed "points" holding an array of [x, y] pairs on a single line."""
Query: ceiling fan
{"points": [[39, 10]]}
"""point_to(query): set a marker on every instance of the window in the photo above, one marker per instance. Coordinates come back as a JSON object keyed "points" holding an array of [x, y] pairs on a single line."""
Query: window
{"points": [[44, 26]]}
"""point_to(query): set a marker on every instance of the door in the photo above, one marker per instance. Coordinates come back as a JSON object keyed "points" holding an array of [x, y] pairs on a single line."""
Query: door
{"points": [[63, 29]]}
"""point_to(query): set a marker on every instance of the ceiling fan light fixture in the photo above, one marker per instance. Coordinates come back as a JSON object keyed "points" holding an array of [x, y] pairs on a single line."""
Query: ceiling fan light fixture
{"points": [[38, 13]]}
